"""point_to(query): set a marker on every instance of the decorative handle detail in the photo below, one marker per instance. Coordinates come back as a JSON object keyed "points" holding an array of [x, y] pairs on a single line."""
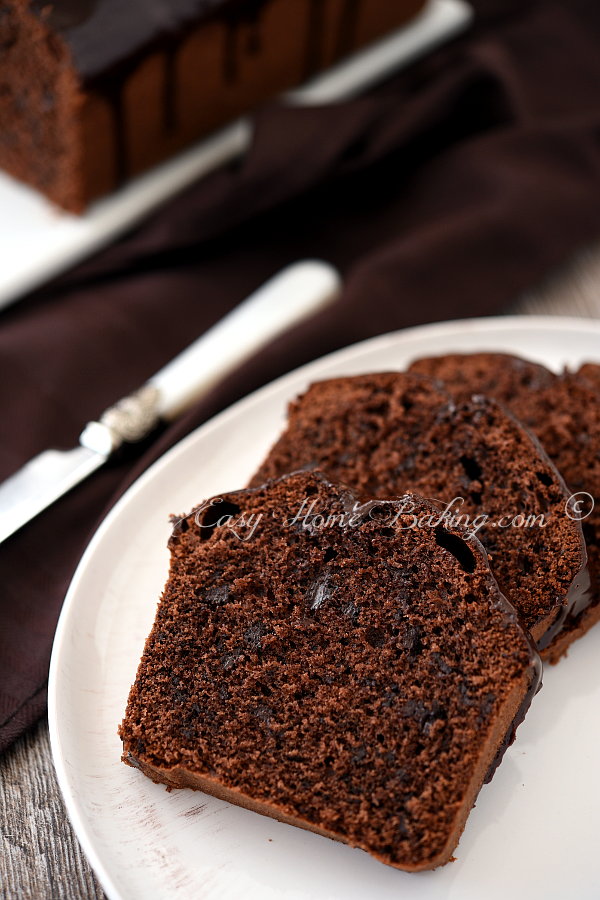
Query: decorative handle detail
{"points": [[288, 298], [129, 420]]}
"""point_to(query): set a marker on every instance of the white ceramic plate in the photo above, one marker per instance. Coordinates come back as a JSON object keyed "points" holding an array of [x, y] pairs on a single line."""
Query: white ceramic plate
{"points": [[38, 241], [534, 832]]}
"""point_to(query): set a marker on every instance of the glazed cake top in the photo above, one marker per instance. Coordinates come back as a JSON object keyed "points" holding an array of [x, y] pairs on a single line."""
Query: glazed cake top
{"points": [[105, 35]]}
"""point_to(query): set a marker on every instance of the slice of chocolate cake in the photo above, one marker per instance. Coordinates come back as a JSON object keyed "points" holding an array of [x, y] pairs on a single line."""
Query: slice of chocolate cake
{"points": [[322, 661], [386, 433], [95, 91], [497, 375], [563, 411]]}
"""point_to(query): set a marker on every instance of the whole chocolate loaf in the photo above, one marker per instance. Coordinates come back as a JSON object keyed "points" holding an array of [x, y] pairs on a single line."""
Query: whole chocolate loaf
{"points": [[95, 91]]}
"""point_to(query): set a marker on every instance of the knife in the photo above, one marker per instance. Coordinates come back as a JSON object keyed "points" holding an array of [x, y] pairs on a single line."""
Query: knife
{"points": [[285, 300]]}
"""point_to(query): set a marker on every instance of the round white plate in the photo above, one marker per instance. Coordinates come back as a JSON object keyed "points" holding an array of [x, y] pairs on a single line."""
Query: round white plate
{"points": [[534, 832]]}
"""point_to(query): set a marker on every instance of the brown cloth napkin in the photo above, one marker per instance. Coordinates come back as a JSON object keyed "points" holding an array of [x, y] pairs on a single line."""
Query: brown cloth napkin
{"points": [[443, 193]]}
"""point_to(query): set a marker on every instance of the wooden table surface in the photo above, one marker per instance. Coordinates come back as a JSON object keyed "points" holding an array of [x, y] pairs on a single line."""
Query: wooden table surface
{"points": [[41, 858]]}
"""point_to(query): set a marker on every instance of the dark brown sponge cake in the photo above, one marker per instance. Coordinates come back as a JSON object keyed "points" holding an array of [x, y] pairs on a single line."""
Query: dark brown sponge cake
{"points": [[386, 433], [359, 680], [508, 379], [93, 92], [590, 373], [563, 411]]}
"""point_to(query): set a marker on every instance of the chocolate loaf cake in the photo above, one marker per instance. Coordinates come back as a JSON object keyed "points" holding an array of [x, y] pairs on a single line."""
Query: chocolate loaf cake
{"points": [[335, 669], [387, 433], [563, 411], [95, 91]]}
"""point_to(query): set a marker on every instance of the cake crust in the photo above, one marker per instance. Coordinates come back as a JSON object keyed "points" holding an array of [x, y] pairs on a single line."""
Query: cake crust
{"points": [[177, 777]]}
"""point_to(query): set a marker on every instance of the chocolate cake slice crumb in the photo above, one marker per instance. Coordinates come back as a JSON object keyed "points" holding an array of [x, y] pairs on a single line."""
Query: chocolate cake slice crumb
{"points": [[590, 373], [318, 659], [563, 411], [386, 433]]}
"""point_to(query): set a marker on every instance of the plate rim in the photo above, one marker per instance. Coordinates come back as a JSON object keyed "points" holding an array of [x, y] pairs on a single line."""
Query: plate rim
{"points": [[483, 325]]}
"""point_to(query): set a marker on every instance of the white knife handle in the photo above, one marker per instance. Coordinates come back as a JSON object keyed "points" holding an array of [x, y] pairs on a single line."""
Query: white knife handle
{"points": [[289, 297]]}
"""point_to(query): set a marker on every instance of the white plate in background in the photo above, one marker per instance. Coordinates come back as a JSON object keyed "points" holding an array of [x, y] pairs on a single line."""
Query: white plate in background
{"points": [[534, 832]]}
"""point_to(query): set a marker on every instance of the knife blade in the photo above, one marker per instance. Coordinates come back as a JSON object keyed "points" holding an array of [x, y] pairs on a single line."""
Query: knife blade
{"points": [[297, 292], [40, 482]]}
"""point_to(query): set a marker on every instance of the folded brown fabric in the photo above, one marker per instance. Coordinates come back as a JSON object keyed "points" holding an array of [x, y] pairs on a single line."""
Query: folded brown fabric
{"points": [[442, 194]]}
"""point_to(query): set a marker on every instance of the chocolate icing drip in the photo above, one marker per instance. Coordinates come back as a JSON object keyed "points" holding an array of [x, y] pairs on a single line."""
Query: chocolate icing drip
{"points": [[112, 90], [107, 35], [254, 44], [535, 673], [579, 597], [108, 39], [313, 57], [170, 89], [346, 41], [65, 14], [239, 17], [230, 51]]}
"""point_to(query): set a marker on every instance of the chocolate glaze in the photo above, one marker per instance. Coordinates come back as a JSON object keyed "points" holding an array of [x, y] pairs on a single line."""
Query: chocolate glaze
{"points": [[347, 37], [313, 44], [535, 672], [249, 17], [104, 35], [579, 597], [66, 14], [170, 89], [107, 40]]}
